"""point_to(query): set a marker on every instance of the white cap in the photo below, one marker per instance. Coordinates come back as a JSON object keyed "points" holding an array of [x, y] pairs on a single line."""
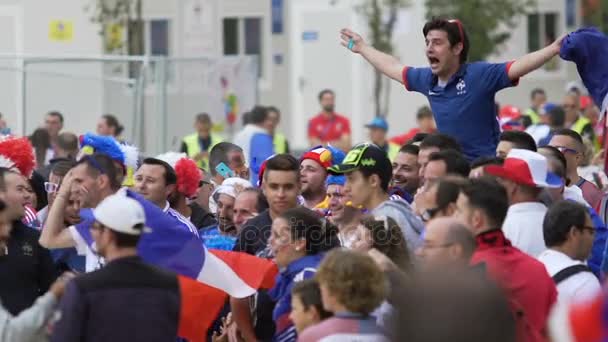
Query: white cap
{"points": [[121, 214]]}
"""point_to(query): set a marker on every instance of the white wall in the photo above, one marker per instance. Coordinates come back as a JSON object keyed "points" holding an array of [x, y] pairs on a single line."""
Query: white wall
{"points": [[79, 100]]}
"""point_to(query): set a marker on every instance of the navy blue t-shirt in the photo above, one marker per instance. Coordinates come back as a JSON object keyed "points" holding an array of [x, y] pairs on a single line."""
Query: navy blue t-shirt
{"points": [[465, 107]]}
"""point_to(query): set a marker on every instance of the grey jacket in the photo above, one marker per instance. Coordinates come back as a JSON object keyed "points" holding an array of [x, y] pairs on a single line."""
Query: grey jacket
{"points": [[400, 211], [29, 325]]}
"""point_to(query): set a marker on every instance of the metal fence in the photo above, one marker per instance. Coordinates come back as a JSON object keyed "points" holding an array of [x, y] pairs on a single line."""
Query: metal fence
{"points": [[154, 98]]}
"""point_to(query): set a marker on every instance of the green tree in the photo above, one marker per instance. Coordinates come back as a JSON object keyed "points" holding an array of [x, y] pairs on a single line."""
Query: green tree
{"points": [[115, 17], [381, 18], [487, 22]]}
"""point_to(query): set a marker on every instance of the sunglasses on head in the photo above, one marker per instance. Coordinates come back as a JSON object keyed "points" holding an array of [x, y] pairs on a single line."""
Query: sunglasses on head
{"points": [[460, 30]]}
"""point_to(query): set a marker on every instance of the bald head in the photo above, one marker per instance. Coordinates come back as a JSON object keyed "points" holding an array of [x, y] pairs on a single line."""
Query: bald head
{"points": [[447, 242]]}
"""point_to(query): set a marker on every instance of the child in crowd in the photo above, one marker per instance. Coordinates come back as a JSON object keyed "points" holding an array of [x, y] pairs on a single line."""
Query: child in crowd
{"points": [[352, 286], [306, 305]]}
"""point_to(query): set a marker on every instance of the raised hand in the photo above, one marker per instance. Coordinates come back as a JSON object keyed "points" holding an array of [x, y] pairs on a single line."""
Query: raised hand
{"points": [[351, 40]]}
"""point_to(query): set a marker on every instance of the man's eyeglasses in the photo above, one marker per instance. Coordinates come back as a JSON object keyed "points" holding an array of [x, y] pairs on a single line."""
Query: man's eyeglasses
{"points": [[564, 149], [50, 187]]}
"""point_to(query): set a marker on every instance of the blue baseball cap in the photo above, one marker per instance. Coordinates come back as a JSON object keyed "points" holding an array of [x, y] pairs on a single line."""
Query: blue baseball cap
{"points": [[378, 122]]}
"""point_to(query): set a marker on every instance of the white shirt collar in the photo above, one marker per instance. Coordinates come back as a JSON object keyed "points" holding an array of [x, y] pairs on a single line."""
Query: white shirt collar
{"points": [[527, 207], [167, 207]]}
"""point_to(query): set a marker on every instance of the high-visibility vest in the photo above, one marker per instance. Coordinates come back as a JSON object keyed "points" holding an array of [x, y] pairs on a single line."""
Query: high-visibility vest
{"points": [[534, 117], [194, 148], [578, 127], [280, 143], [393, 149], [580, 124]]}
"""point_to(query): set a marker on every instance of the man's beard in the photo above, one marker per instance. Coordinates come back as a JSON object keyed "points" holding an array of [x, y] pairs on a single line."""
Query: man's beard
{"points": [[309, 192], [329, 108], [226, 227]]}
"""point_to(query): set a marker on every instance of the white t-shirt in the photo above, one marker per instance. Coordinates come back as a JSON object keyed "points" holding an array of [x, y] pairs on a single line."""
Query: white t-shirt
{"points": [[581, 286], [92, 260], [523, 226]]}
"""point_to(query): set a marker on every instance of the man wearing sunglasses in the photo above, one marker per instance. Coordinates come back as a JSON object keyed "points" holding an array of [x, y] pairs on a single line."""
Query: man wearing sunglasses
{"points": [[461, 94], [569, 235], [570, 144]]}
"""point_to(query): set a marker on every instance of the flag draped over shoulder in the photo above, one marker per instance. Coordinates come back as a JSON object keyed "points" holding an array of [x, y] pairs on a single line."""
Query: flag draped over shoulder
{"points": [[206, 277]]}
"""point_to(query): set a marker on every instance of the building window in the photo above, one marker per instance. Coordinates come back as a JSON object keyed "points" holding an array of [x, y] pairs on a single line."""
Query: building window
{"points": [[154, 40], [158, 37], [542, 31], [244, 37]]}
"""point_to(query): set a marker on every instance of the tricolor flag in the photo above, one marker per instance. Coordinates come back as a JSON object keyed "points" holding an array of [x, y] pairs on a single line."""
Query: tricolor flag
{"points": [[206, 277]]}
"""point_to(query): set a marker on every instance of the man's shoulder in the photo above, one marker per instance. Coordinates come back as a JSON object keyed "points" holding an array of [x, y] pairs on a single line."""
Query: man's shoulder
{"points": [[124, 274], [263, 219]]}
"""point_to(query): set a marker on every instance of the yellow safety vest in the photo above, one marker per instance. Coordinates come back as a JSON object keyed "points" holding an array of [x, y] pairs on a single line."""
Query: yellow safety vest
{"points": [[194, 148], [393, 149], [580, 124], [534, 117], [578, 127], [280, 143]]}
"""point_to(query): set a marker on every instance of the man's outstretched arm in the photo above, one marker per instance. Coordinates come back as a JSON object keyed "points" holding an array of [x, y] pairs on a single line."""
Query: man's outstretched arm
{"points": [[385, 63], [534, 60]]}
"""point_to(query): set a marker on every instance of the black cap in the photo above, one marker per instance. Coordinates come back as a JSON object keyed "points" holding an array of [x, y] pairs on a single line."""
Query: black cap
{"points": [[364, 156]]}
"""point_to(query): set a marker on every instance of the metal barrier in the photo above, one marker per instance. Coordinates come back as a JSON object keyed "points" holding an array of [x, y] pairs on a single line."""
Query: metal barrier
{"points": [[154, 98]]}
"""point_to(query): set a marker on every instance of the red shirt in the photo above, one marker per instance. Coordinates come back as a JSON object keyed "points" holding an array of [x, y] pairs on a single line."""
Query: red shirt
{"points": [[327, 128], [529, 288]]}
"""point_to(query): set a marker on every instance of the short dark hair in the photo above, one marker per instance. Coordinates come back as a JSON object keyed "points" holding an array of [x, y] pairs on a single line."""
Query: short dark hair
{"points": [[385, 175], [519, 139], [126, 240], [487, 195], [274, 109], [536, 91], [454, 161], [3, 172], [203, 118], [410, 149], [455, 31], [569, 133], [112, 121], [448, 189], [319, 233], [68, 141], [560, 218], [98, 164], [169, 175], [441, 141], [282, 162], [486, 160], [424, 112], [459, 234], [219, 154], [309, 293], [56, 114], [258, 114], [261, 201], [324, 92], [417, 139], [246, 118], [557, 116], [62, 167]]}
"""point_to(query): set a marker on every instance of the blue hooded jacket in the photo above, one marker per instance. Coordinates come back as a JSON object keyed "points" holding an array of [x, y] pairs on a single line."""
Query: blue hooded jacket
{"points": [[588, 49]]}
